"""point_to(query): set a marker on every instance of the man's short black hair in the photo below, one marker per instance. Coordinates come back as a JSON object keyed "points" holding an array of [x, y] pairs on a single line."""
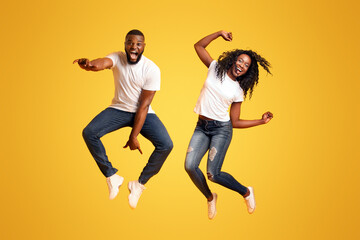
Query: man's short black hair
{"points": [[135, 32]]}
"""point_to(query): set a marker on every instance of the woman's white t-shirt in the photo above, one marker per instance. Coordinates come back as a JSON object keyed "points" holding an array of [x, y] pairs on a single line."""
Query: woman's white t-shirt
{"points": [[216, 96]]}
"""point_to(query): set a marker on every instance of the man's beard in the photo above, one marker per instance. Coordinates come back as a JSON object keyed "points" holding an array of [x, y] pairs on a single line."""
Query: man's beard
{"points": [[137, 59]]}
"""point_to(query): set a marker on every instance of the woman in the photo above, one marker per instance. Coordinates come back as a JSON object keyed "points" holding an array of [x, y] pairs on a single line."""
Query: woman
{"points": [[229, 81]]}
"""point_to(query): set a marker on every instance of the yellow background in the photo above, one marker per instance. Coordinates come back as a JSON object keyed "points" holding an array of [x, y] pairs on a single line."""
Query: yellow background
{"points": [[304, 165]]}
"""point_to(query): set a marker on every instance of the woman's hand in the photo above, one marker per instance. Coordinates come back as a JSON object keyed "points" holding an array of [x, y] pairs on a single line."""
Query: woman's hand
{"points": [[227, 36], [266, 117]]}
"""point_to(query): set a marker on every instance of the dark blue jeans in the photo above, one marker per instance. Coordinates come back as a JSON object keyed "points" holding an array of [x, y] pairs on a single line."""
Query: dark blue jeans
{"points": [[112, 119], [214, 136]]}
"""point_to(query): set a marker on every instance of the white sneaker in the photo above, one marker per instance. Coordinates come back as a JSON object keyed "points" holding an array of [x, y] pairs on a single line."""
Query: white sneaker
{"points": [[114, 182], [135, 189], [212, 207], [250, 201]]}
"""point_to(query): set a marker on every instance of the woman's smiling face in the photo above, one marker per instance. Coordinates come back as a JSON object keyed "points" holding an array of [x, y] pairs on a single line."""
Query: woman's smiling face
{"points": [[240, 67]]}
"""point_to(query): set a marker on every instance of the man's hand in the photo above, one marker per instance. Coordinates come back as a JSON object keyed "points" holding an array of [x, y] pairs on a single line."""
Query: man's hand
{"points": [[84, 63], [133, 144]]}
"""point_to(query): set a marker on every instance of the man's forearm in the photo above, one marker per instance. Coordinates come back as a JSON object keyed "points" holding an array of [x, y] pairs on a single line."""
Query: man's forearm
{"points": [[94, 65], [139, 120], [98, 64]]}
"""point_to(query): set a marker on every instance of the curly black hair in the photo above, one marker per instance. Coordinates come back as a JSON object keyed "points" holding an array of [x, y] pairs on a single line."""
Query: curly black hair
{"points": [[251, 77]]}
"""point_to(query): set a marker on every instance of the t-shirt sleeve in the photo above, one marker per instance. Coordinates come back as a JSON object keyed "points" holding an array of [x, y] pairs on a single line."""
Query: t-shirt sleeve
{"points": [[114, 57], [212, 65], [239, 97], [152, 79]]}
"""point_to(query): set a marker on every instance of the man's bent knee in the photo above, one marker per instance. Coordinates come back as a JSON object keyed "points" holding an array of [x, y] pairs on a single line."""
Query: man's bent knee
{"points": [[166, 146], [170, 145], [86, 133]]}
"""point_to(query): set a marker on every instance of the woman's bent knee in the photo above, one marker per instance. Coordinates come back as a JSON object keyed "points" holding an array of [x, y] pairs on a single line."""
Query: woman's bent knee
{"points": [[189, 168]]}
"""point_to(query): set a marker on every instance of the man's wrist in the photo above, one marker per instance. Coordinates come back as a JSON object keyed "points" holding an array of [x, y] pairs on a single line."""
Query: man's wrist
{"points": [[132, 136]]}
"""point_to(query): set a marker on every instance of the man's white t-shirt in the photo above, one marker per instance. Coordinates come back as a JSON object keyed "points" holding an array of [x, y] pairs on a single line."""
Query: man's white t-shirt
{"points": [[131, 79], [216, 96]]}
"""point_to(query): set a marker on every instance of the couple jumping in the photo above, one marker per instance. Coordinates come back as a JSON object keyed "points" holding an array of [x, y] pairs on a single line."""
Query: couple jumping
{"points": [[137, 78]]}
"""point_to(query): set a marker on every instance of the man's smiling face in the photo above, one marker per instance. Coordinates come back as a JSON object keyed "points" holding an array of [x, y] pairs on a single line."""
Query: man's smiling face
{"points": [[134, 48]]}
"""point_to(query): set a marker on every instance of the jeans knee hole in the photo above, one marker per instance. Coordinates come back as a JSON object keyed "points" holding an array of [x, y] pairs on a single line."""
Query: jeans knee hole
{"points": [[190, 149], [212, 153]]}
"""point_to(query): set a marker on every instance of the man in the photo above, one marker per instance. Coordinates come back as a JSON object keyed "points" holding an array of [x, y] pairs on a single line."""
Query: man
{"points": [[136, 80]]}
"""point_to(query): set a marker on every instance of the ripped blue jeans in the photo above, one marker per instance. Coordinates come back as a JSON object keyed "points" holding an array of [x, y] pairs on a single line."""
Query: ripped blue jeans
{"points": [[214, 136]]}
